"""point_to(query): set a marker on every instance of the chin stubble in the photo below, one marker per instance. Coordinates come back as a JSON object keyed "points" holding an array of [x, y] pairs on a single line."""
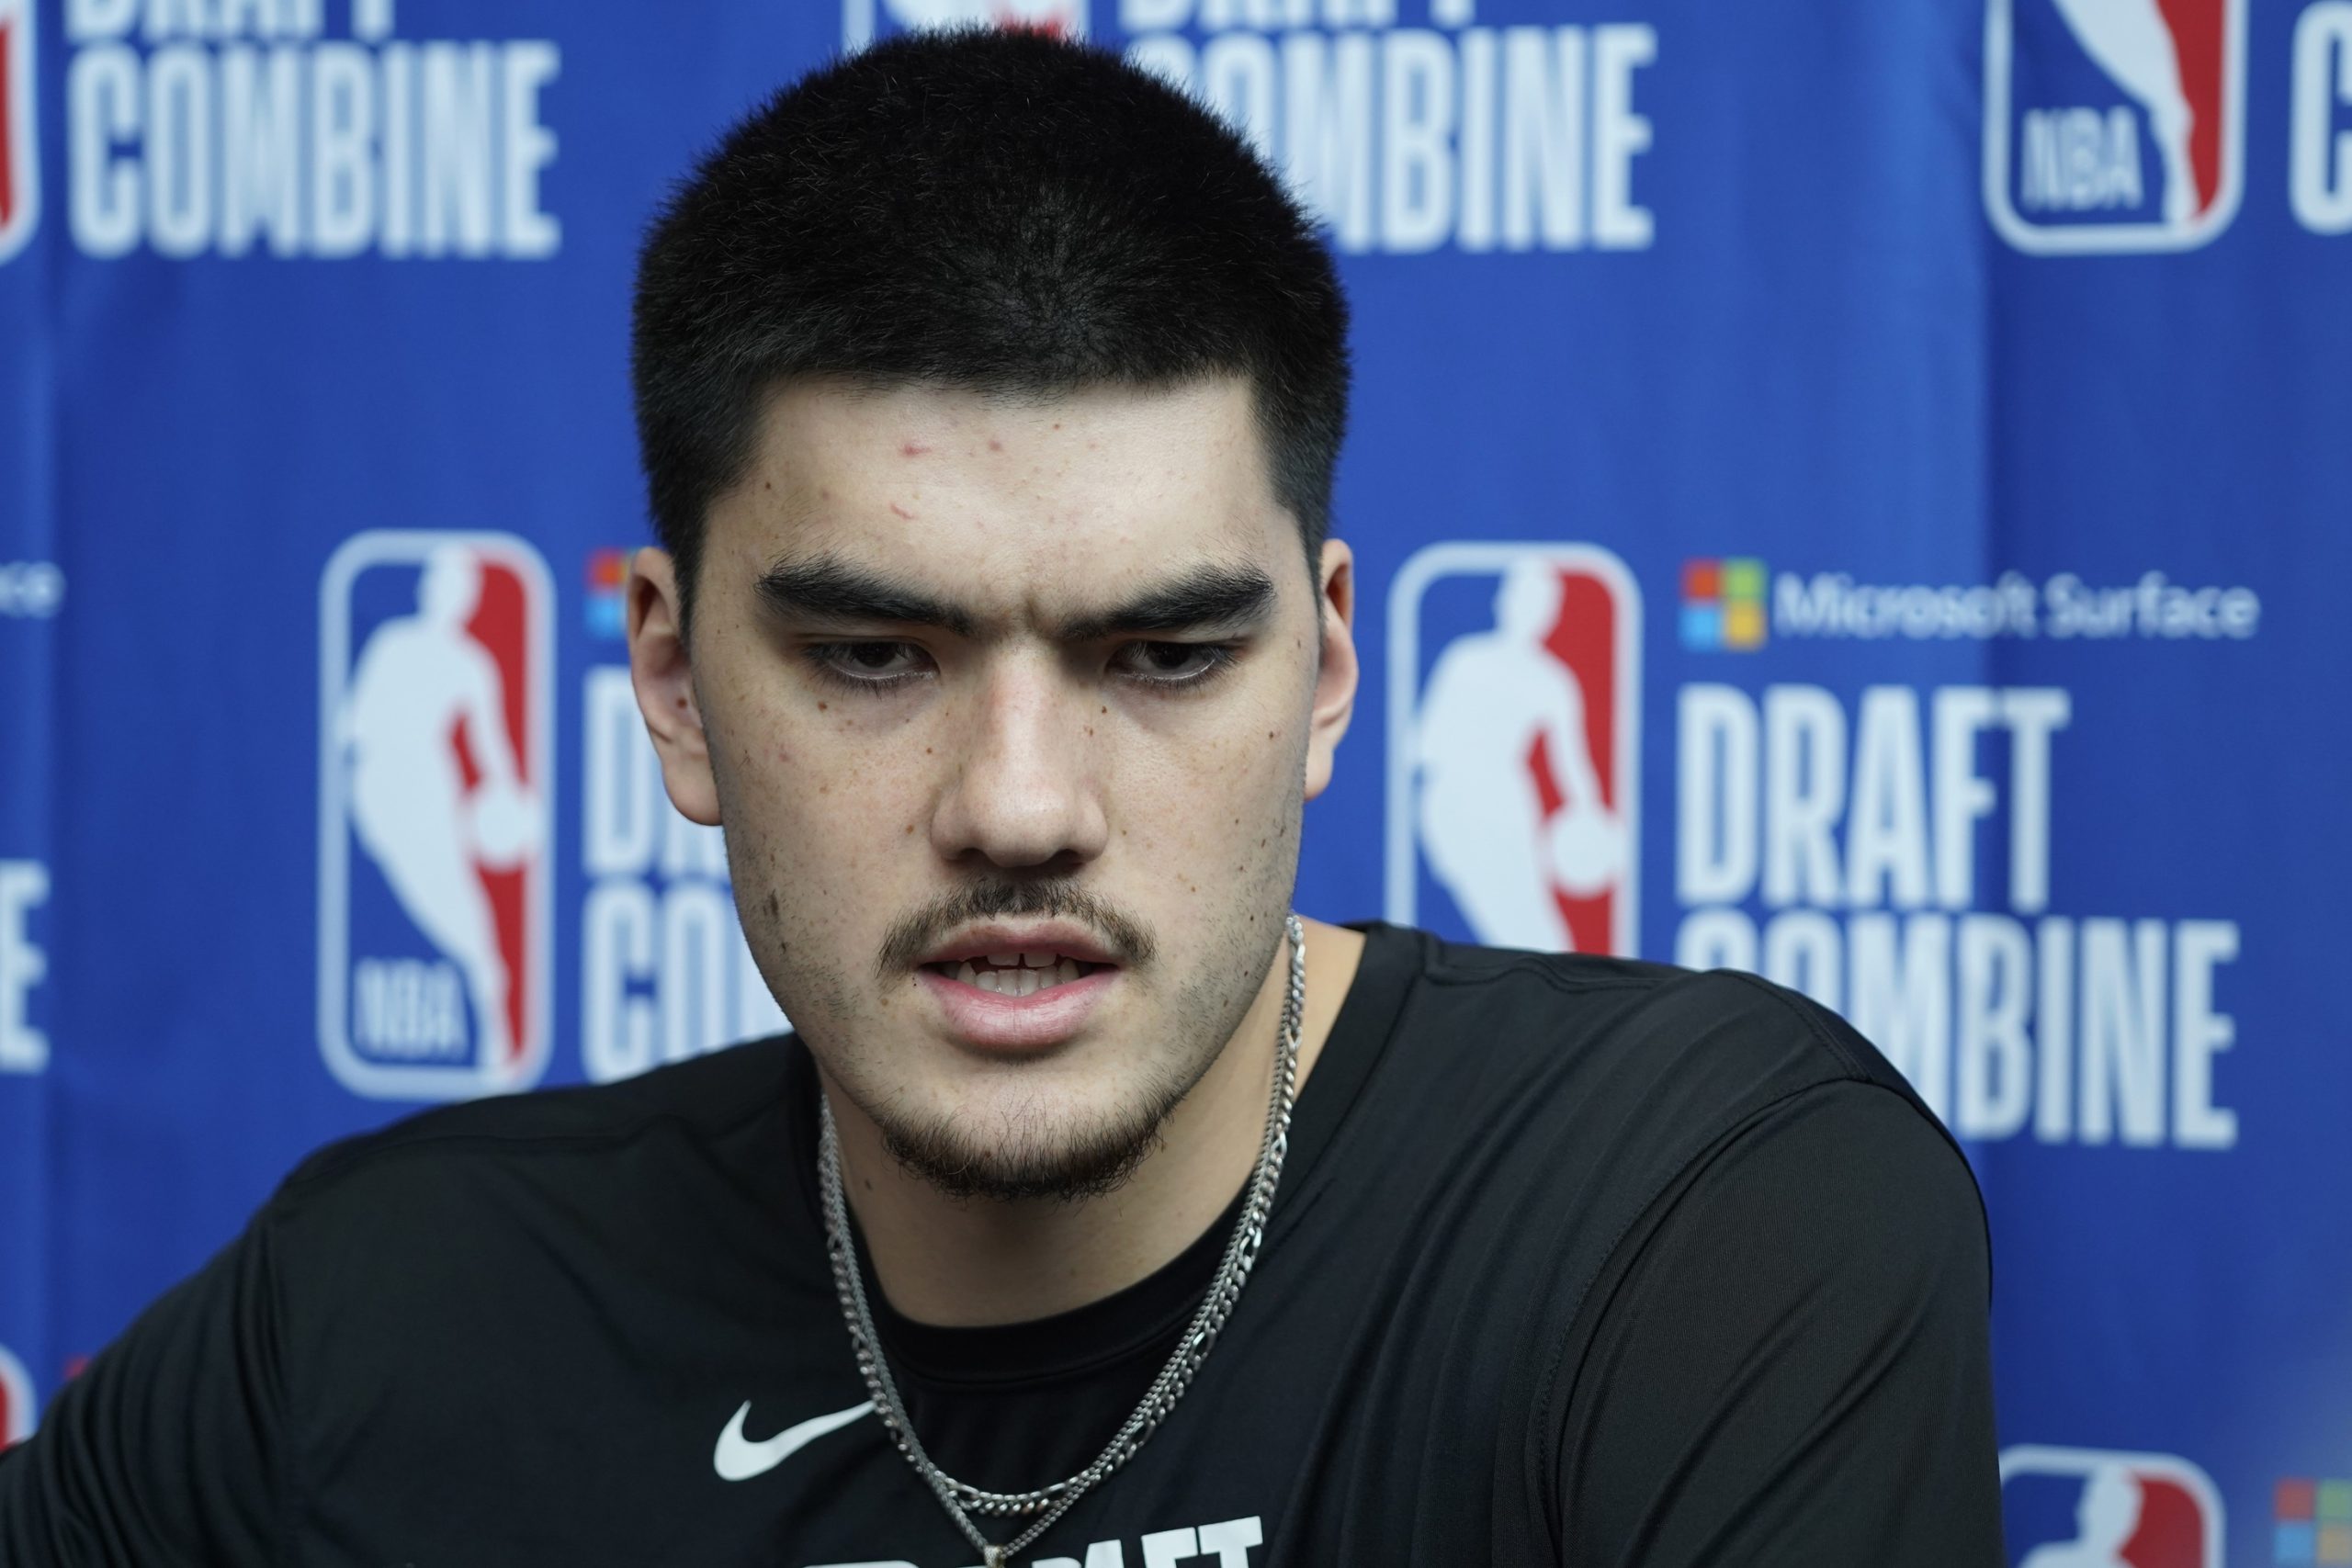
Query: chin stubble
{"points": [[1032, 1162]]}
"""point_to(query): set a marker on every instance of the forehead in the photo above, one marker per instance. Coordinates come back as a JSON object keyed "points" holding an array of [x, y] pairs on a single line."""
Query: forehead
{"points": [[1093, 484]]}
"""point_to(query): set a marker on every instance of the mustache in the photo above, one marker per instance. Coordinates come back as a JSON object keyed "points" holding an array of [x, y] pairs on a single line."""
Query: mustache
{"points": [[1054, 898]]}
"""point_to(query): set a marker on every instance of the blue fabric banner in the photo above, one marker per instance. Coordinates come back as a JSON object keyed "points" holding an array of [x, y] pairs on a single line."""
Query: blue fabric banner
{"points": [[1844, 490]]}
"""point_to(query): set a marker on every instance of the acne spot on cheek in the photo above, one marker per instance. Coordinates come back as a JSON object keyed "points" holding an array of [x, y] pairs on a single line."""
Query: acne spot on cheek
{"points": [[994, 444], [910, 828], [902, 510], [823, 706], [912, 449]]}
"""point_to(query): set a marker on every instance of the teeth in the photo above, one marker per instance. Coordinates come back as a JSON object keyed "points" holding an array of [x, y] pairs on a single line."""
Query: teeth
{"points": [[1018, 973]]}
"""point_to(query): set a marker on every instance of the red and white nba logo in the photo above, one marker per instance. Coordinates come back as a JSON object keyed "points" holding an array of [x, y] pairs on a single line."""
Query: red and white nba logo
{"points": [[436, 787], [861, 25], [17, 1409], [1514, 746], [20, 153], [2078, 1507], [2113, 125]]}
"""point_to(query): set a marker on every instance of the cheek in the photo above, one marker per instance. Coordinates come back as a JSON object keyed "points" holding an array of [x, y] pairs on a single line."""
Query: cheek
{"points": [[1216, 802], [825, 796], [820, 834]]}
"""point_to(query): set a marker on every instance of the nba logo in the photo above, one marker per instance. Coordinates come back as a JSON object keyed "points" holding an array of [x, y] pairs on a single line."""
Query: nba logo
{"points": [[436, 725], [16, 1400], [1514, 746], [1063, 19], [2093, 1508], [2113, 125], [19, 159]]}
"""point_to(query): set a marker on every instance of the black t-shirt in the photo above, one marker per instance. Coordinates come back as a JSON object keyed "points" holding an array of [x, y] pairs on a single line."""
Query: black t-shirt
{"points": [[1574, 1260]]}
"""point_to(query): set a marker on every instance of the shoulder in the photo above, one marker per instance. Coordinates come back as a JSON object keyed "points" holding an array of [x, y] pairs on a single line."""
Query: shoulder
{"points": [[1617, 1083], [1809, 1297], [430, 1170], [1742, 1033], [421, 1274]]}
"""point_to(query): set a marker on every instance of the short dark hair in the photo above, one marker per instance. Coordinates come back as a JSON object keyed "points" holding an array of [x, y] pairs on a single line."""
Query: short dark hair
{"points": [[992, 211]]}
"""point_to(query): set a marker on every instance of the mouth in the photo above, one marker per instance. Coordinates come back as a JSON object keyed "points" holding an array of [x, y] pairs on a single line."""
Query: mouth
{"points": [[1018, 989], [1015, 974]]}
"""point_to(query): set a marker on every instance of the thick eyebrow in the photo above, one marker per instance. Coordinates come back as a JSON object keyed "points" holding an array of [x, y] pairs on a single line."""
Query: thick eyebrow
{"points": [[826, 588], [1207, 597], [1210, 596]]}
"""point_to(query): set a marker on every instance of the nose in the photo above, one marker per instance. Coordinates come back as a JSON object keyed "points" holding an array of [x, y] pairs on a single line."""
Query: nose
{"points": [[1024, 791]]}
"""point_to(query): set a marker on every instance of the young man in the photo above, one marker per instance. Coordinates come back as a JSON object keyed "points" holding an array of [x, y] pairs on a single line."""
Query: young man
{"points": [[1099, 1214]]}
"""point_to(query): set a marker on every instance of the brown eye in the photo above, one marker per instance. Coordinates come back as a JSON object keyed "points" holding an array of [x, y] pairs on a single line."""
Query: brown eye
{"points": [[871, 665], [1173, 664]]}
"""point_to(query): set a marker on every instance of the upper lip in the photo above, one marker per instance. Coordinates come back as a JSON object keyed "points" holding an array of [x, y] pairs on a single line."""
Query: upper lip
{"points": [[978, 941]]}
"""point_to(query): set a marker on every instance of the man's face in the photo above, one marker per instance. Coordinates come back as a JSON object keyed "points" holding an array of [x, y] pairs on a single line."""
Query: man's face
{"points": [[1009, 711]]}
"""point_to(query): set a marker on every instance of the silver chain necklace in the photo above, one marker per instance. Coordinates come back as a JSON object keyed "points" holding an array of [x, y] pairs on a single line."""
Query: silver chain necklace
{"points": [[962, 1500]]}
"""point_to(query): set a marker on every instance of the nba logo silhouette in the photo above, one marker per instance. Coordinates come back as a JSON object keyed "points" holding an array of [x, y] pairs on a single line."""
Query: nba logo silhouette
{"points": [[20, 156], [1514, 746], [2095, 1508], [863, 20], [16, 1400], [436, 725], [2113, 125]]}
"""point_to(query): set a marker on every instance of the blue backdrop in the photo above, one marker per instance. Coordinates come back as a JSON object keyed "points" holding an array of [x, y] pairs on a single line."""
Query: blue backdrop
{"points": [[1851, 489]]}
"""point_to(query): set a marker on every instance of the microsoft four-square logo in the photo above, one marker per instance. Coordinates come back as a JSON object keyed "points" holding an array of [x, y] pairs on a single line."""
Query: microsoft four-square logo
{"points": [[1722, 603], [606, 604], [2314, 1523]]}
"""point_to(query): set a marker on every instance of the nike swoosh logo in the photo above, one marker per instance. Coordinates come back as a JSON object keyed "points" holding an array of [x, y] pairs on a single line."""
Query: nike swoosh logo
{"points": [[737, 1458]]}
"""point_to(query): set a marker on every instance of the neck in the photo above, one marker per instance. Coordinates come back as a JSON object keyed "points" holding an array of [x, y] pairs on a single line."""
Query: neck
{"points": [[962, 1262]]}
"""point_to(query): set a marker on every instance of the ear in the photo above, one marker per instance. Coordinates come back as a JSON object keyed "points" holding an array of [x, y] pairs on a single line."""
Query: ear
{"points": [[662, 670], [1335, 671]]}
